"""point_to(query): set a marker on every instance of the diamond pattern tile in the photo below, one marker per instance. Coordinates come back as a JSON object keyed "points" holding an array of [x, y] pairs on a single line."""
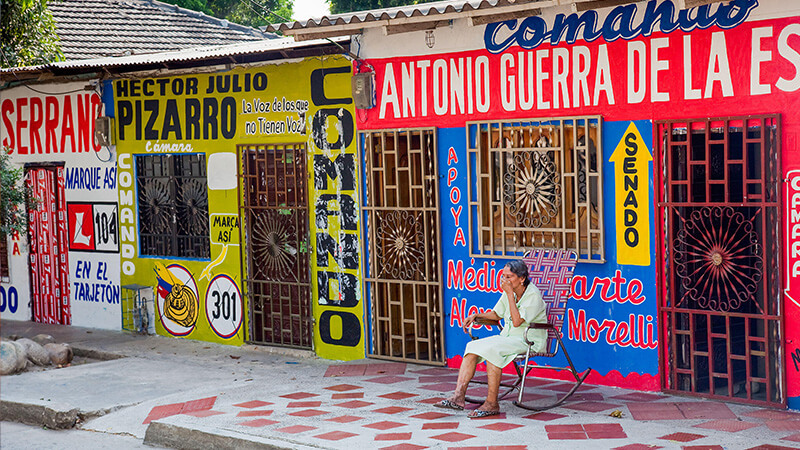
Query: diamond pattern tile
{"points": [[308, 413], [565, 387], [393, 437], [344, 419], [703, 447], [433, 415], [591, 406], [259, 423], [439, 387], [587, 397], [792, 437], [770, 447], [299, 395], [204, 413], [347, 395], [161, 411], [773, 414], [655, 411], [783, 425], [392, 410], [388, 368], [638, 397], [431, 401], [335, 435], [682, 437], [564, 428], [202, 404], [453, 436], [501, 426], [354, 404], [545, 416], [604, 431], [440, 426], [294, 429], [255, 413], [385, 425], [343, 387], [435, 371], [389, 379], [303, 404], [728, 425], [398, 395], [438, 379], [574, 435], [637, 447], [405, 446], [346, 370], [705, 410], [252, 404]]}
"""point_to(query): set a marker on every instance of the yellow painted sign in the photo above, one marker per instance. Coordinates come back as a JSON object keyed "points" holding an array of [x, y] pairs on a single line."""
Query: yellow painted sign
{"points": [[631, 161]]}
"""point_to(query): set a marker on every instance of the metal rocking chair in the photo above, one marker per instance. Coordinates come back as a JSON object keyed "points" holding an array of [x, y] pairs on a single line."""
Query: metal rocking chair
{"points": [[551, 271]]}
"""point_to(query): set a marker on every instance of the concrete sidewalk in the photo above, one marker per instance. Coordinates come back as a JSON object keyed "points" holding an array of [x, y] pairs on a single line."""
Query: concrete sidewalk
{"points": [[188, 394]]}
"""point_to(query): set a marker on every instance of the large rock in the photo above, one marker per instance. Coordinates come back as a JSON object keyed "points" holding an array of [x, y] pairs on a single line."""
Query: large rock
{"points": [[60, 354], [43, 339], [10, 357], [36, 353], [22, 361]]}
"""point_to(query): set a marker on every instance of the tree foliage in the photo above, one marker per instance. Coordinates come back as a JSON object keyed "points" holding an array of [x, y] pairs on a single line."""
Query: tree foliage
{"points": [[27, 34], [252, 13], [345, 6], [13, 196]]}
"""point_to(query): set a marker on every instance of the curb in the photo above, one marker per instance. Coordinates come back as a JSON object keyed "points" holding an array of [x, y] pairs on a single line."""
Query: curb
{"points": [[38, 415], [185, 438], [95, 354]]}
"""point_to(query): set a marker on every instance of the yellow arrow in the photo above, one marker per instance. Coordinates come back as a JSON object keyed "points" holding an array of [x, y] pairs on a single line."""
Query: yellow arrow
{"points": [[632, 180], [207, 271]]}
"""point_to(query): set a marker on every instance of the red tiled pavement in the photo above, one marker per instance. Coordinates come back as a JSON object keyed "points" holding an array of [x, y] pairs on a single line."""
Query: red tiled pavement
{"points": [[591, 406], [545, 416], [566, 428], [440, 426], [393, 437], [391, 410], [705, 410], [638, 397], [433, 415], [405, 446], [294, 429], [161, 411], [335, 435], [202, 404], [428, 379], [345, 370], [435, 371], [252, 404], [604, 431], [585, 397], [792, 437], [574, 435], [728, 425], [385, 425], [347, 395], [255, 413], [501, 426], [783, 425], [389, 379], [655, 411], [398, 395], [258, 423], [773, 414], [304, 404], [299, 395], [439, 387], [204, 413], [453, 436], [565, 387], [770, 447], [352, 404], [702, 447], [682, 437], [343, 387], [430, 401], [308, 413], [388, 368], [344, 419]]}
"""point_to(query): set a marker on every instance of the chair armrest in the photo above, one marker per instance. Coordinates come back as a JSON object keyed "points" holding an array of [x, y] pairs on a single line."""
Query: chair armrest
{"points": [[482, 321], [541, 326]]}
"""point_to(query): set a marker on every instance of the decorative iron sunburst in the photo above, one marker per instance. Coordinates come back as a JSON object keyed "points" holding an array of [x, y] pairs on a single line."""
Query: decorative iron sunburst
{"points": [[273, 245], [154, 207], [192, 207], [532, 191], [718, 259], [399, 241]]}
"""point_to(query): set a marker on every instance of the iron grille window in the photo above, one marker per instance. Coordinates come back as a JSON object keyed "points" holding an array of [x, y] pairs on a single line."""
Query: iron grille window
{"points": [[536, 183], [4, 273], [172, 198]]}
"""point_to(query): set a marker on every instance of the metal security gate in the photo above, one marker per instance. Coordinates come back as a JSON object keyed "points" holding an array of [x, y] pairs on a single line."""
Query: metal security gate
{"points": [[404, 270], [275, 213], [720, 311], [47, 229]]}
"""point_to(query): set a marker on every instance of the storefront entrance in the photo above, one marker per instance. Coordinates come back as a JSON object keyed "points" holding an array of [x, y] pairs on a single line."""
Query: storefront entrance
{"points": [[403, 281], [720, 303], [274, 183], [47, 230]]}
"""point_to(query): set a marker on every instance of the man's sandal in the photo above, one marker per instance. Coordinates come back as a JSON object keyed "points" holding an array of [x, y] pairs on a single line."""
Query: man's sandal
{"points": [[448, 404]]}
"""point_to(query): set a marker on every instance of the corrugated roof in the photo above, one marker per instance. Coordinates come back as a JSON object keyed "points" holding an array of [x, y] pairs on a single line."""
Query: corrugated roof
{"points": [[195, 54], [98, 28], [431, 10]]}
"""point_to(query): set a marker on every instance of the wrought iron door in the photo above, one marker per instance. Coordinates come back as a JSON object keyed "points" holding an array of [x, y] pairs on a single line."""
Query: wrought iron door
{"points": [[404, 270], [275, 213], [720, 311], [47, 231]]}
